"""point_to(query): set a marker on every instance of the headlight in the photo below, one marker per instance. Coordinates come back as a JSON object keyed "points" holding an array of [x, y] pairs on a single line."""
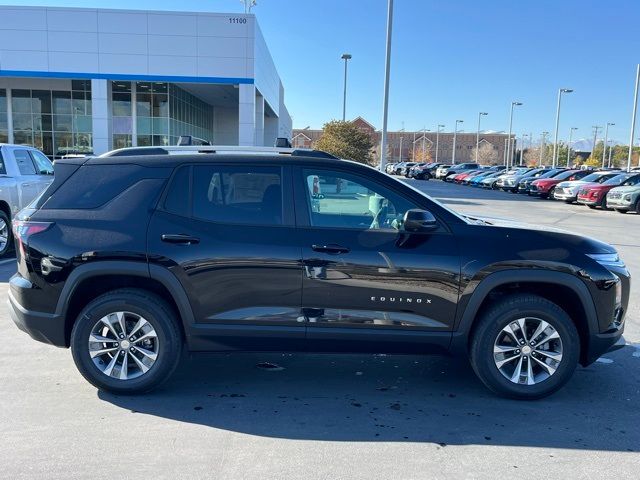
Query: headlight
{"points": [[607, 259]]}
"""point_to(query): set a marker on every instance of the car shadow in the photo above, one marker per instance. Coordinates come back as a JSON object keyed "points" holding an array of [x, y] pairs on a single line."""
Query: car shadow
{"points": [[368, 398]]}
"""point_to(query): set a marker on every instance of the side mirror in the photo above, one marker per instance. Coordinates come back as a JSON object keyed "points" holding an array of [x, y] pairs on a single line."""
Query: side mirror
{"points": [[419, 221]]}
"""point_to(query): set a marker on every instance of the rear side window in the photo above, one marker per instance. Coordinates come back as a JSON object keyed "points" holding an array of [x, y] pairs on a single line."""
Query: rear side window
{"points": [[3, 170], [94, 185], [239, 194], [25, 164]]}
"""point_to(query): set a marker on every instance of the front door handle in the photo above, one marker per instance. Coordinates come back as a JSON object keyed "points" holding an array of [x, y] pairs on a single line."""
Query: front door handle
{"points": [[179, 238], [332, 249]]}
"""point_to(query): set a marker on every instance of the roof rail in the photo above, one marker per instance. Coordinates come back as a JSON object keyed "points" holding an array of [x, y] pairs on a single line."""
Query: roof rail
{"points": [[213, 149]]}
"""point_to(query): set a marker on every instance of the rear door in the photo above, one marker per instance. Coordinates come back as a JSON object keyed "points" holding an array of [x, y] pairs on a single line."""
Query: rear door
{"points": [[234, 249], [44, 169]]}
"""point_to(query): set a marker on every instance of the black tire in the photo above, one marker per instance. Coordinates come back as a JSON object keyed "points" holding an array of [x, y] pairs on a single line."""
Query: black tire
{"points": [[637, 207], [498, 316], [4, 218], [592, 207], [145, 304], [551, 194]]}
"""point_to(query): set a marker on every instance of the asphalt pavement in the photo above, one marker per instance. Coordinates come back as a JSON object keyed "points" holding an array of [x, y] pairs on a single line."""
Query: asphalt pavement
{"points": [[330, 416]]}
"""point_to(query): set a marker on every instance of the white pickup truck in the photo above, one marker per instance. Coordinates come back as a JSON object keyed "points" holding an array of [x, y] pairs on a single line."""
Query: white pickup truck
{"points": [[24, 173]]}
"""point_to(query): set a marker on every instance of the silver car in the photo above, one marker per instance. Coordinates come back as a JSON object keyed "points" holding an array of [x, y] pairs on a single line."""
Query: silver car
{"points": [[24, 173]]}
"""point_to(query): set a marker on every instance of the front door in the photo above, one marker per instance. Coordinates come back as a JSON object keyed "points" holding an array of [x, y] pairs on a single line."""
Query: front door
{"points": [[234, 250], [367, 286]]}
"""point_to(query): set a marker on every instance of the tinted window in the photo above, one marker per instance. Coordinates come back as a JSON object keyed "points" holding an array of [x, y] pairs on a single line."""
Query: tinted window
{"points": [[94, 185], [25, 164], [3, 170], [341, 200], [237, 194], [43, 164], [632, 181]]}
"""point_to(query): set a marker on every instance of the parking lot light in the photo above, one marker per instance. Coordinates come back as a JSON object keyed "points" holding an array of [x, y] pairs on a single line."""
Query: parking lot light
{"points": [[509, 159], [633, 120], [604, 145], [455, 135], [571, 130], [346, 57], [438, 139], [555, 140], [480, 114]]}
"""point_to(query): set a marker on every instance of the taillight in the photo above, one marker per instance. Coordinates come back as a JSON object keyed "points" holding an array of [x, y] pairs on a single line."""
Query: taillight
{"points": [[23, 229]]}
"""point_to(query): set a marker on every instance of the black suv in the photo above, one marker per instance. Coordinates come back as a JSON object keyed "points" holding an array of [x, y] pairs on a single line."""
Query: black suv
{"points": [[128, 260]]}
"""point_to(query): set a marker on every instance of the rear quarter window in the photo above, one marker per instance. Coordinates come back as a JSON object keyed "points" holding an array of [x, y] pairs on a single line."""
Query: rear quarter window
{"points": [[92, 186]]}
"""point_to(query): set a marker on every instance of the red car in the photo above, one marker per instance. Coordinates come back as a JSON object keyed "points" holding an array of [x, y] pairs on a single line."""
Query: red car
{"points": [[544, 187], [461, 176], [596, 195]]}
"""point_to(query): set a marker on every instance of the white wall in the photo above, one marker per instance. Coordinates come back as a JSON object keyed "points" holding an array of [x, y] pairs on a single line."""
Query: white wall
{"points": [[225, 126], [126, 42]]}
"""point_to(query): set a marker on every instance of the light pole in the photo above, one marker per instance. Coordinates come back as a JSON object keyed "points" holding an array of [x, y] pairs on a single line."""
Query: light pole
{"points": [[609, 162], [509, 159], [438, 139], [400, 152], [524, 135], [555, 140], [543, 146], [569, 145], [455, 136], [385, 102], [480, 114], [633, 120], [604, 145], [346, 57], [595, 139]]}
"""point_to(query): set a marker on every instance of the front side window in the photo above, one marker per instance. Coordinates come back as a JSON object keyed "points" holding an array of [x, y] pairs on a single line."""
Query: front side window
{"points": [[340, 200], [25, 164], [237, 194], [43, 164]]}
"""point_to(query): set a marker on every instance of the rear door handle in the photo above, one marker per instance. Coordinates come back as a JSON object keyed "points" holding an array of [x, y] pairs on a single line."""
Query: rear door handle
{"points": [[332, 249], [179, 238]]}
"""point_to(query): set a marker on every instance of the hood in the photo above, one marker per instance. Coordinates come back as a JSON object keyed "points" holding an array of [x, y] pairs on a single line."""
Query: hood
{"points": [[628, 189], [572, 183], [569, 239]]}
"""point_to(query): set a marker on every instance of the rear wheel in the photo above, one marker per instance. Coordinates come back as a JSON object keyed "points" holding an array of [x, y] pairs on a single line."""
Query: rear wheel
{"points": [[126, 341], [637, 207], [524, 347], [5, 234]]}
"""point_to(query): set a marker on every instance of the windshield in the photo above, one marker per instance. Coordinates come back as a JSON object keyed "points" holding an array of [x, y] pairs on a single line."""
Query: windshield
{"points": [[565, 175], [593, 177], [618, 179]]}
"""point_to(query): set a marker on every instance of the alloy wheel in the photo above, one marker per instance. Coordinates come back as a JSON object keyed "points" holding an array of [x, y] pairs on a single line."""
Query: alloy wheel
{"points": [[527, 351], [4, 234], [123, 345]]}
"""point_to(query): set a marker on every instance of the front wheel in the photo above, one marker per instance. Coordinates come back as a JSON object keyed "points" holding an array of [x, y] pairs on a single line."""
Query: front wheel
{"points": [[524, 347], [126, 341]]}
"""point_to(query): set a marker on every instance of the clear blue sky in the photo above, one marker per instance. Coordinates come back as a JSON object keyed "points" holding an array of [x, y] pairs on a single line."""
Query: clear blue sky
{"points": [[450, 59]]}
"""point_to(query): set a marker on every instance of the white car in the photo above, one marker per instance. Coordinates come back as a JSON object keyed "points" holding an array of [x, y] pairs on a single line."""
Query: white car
{"points": [[568, 191], [24, 173], [441, 172]]}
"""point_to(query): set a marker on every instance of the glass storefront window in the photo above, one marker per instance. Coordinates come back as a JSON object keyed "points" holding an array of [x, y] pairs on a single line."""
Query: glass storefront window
{"points": [[57, 122], [61, 102]]}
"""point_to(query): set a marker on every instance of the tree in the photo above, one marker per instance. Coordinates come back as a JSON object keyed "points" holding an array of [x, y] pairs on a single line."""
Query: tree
{"points": [[345, 140], [486, 154], [422, 156]]}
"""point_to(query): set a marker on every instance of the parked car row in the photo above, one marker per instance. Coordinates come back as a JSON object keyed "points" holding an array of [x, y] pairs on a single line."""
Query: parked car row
{"points": [[605, 189]]}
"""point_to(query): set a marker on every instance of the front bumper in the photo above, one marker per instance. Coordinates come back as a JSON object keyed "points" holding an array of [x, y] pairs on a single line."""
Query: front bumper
{"points": [[619, 204], [44, 327], [565, 196], [588, 201]]}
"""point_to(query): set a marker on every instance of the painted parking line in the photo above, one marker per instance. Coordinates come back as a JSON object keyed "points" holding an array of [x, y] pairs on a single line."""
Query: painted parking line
{"points": [[8, 260]]}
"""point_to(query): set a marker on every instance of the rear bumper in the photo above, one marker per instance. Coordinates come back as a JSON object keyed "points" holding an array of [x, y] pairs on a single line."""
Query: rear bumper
{"points": [[44, 327]]}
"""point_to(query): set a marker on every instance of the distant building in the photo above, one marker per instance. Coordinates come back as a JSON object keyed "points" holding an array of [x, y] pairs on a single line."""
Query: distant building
{"points": [[492, 145]]}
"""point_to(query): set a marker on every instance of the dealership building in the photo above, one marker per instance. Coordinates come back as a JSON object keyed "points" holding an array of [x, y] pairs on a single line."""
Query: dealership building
{"points": [[90, 80]]}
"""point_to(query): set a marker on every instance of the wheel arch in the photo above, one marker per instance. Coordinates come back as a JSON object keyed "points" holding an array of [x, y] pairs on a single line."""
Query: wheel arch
{"points": [[563, 289], [89, 281]]}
